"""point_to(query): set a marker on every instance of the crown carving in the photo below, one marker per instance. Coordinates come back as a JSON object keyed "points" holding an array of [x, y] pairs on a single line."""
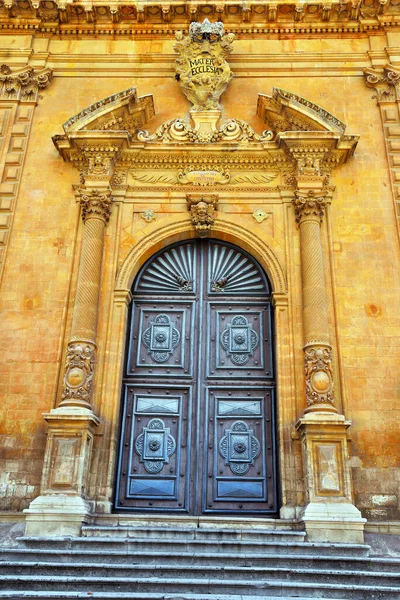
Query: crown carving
{"points": [[212, 32]]}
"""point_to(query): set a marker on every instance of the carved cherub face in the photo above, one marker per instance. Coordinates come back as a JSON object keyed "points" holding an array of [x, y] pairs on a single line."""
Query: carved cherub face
{"points": [[202, 210]]}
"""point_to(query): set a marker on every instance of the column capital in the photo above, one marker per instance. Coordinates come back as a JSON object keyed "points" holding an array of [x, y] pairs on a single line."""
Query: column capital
{"points": [[96, 203], [385, 82], [309, 205]]}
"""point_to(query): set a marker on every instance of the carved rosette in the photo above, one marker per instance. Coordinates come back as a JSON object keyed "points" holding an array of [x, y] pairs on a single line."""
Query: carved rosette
{"points": [[309, 206], [79, 369], [96, 203], [202, 213], [318, 374]]}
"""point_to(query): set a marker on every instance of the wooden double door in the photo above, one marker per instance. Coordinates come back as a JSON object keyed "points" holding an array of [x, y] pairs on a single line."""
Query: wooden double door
{"points": [[197, 429]]}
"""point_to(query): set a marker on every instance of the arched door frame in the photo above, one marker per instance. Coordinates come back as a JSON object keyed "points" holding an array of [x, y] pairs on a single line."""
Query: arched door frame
{"points": [[266, 255]]}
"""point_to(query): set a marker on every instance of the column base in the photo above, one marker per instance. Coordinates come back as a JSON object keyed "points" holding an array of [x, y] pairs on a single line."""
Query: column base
{"points": [[56, 515], [333, 522]]}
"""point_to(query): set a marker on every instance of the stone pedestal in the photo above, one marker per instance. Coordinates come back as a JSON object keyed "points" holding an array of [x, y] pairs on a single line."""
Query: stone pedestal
{"points": [[61, 509], [330, 515]]}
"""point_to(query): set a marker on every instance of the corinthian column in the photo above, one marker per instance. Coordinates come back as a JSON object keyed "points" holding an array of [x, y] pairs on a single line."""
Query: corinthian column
{"points": [[309, 208], [81, 351], [329, 514]]}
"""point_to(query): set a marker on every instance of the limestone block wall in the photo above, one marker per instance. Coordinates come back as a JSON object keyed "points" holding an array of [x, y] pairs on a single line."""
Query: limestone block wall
{"points": [[360, 238]]}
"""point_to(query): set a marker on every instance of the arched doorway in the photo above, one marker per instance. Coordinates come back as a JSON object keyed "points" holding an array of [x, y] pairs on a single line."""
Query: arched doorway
{"points": [[198, 423]]}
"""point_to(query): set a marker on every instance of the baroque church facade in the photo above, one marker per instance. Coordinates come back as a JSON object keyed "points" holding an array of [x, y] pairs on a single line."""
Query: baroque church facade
{"points": [[199, 218]]}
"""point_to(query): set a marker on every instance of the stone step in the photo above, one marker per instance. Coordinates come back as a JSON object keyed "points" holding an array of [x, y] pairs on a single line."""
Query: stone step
{"points": [[126, 556], [260, 588], [43, 595], [167, 545], [182, 570], [192, 533]]}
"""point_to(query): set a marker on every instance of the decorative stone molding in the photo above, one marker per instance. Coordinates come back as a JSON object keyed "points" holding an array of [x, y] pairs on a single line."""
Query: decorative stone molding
{"points": [[309, 205], [202, 213], [201, 68], [318, 374], [156, 17], [96, 204], [79, 368], [385, 82]]}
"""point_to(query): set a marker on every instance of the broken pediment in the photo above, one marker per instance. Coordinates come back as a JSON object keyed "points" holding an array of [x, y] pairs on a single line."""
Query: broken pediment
{"points": [[122, 112], [284, 111]]}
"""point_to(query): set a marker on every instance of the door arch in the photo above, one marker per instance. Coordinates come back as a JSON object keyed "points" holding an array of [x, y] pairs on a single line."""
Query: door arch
{"points": [[198, 422]]}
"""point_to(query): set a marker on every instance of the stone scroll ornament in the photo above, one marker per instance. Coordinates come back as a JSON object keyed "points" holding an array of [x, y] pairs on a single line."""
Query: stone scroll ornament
{"points": [[201, 68]]}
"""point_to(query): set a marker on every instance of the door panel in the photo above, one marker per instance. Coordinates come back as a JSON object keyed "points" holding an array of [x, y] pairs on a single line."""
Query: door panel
{"points": [[238, 334], [198, 431], [156, 438], [162, 343]]}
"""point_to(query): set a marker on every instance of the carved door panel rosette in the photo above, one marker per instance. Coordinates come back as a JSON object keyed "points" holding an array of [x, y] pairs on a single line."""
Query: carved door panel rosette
{"points": [[239, 447], [318, 374], [161, 338], [155, 445], [239, 340]]}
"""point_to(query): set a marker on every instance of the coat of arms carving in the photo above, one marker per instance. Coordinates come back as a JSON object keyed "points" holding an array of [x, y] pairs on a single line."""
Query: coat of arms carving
{"points": [[201, 68]]}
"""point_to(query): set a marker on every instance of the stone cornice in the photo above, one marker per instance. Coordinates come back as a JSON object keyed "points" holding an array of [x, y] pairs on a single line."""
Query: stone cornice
{"points": [[103, 17]]}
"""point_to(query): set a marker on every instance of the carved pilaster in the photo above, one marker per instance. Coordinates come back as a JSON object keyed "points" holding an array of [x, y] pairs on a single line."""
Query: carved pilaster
{"points": [[202, 210], [386, 83], [19, 93]]}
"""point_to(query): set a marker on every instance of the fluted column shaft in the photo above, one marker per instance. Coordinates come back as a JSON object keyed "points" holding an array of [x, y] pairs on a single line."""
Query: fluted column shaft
{"points": [[81, 351], [310, 208]]}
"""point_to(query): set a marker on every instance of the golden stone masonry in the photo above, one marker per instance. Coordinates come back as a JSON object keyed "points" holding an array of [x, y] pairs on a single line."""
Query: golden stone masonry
{"points": [[200, 265]]}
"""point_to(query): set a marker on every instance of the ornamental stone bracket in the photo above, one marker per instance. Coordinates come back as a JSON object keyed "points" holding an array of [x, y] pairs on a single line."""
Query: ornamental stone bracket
{"points": [[202, 209]]}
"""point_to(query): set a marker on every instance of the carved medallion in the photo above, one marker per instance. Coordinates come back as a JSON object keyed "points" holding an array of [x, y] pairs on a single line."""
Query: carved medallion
{"points": [[155, 445], [239, 447], [239, 340], [161, 338]]}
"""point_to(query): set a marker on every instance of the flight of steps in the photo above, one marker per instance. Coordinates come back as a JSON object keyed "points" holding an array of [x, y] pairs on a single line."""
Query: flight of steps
{"points": [[189, 563]]}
